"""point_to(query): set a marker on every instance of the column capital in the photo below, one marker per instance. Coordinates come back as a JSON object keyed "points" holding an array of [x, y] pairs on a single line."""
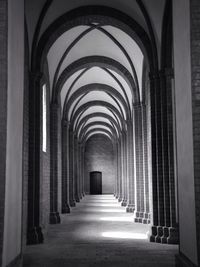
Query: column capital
{"points": [[65, 123], [167, 72], [137, 106], [54, 104], [36, 75], [154, 76], [129, 120]]}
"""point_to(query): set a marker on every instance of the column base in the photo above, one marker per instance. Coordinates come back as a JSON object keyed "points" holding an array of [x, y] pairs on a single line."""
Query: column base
{"points": [[65, 208], [153, 235], [72, 203], [120, 199], [173, 236], [138, 217], [164, 235], [58, 217], [124, 203], [77, 199], [35, 236], [146, 219], [182, 261], [54, 218], [159, 234], [130, 208]]}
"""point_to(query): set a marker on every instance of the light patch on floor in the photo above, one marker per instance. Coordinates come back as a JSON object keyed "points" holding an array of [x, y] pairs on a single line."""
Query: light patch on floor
{"points": [[124, 235], [117, 219]]}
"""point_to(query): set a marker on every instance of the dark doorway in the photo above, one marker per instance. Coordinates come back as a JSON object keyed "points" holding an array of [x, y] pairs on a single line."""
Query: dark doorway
{"points": [[95, 183]]}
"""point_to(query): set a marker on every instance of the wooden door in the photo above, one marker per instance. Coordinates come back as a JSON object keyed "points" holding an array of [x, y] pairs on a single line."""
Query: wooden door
{"points": [[95, 183]]}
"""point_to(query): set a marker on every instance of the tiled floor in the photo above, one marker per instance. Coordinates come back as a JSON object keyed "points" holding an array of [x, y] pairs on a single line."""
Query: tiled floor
{"points": [[98, 232]]}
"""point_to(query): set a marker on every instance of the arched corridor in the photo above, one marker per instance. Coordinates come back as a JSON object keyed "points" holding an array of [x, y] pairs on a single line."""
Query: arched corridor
{"points": [[99, 116]]}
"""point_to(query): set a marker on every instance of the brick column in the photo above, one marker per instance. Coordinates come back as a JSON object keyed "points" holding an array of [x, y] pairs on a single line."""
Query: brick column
{"points": [[117, 194], [124, 160], [170, 231], [137, 170], [72, 201], [75, 166], [116, 169], [146, 217], [139, 164], [80, 174], [65, 159], [173, 220], [120, 178], [160, 158], [154, 82], [78, 170], [131, 177], [82, 169], [34, 230], [54, 214], [162, 161]]}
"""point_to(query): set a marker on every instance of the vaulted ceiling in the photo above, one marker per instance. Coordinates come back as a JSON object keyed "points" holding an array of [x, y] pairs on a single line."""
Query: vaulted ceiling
{"points": [[95, 66]]}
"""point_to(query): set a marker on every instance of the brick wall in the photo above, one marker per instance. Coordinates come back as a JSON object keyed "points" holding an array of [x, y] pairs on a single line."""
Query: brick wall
{"points": [[3, 112], [55, 175], [45, 160], [195, 61], [99, 156], [59, 161], [25, 138]]}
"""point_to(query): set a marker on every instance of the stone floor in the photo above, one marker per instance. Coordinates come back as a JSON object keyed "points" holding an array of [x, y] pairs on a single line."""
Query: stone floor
{"points": [[98, 232]]}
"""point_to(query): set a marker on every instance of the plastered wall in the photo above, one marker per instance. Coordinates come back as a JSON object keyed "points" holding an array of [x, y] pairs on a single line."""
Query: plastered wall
{"points": [[13, 190], [184, 132]]}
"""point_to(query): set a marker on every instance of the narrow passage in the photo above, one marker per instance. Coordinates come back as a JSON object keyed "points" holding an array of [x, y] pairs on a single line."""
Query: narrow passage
{"points": [[99, 232]]}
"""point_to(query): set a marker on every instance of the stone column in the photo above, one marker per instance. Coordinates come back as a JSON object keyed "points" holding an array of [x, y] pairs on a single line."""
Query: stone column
{"points": [[139, 212], [120, 172], [65, 159], [54, 214], [82, 170], [71, 170], [124, 160], [162, 150], [146, 217], [34, 231], [75, 167], [79, 170], [117, 193], [131, 177], [170, 230], [154, 87], [80, 174]]}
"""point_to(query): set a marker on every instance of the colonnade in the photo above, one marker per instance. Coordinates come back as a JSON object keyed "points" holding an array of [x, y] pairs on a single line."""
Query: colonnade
{"points": [[144, 149], [132, 187]]}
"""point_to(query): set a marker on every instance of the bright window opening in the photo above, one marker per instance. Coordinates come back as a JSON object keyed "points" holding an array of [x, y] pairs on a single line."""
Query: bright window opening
{"points": [[44, 118]]}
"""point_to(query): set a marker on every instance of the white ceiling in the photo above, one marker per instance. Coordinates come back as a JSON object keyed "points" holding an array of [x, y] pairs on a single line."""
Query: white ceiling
{"points": [[96, 43]]}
